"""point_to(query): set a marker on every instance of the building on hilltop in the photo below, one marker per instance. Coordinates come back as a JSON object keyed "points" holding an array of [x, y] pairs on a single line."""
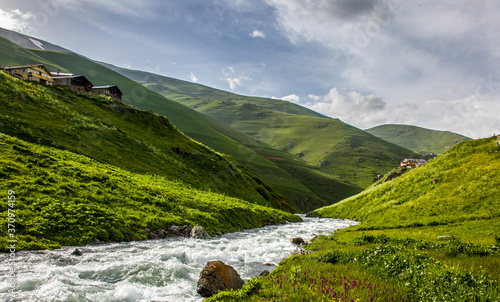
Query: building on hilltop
{"points": [[412, 163], [109, 90], [74, 82], [35, 73]]}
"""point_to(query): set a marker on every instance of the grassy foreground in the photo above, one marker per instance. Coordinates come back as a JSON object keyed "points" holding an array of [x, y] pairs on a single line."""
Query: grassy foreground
{"points": [[67, 199], [417, 241]]}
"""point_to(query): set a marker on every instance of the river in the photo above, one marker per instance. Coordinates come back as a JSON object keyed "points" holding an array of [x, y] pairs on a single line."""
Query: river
{"points": [[152, 270]]}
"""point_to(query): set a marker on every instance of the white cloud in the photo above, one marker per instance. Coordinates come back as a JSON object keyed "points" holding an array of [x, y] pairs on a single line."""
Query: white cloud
{"points": [[257, 34], [193, 78], [237, 82], [133, 8], [16, 20], [471, 116], [291, 98]]}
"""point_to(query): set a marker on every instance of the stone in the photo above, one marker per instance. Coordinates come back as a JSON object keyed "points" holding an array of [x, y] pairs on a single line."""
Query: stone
{"points": [[77, 252], [264, 273], [297, 240], [217, 276], [434, 181], [161, 233], [183, 230], [97, 241], [444, 237], [198, 232]]}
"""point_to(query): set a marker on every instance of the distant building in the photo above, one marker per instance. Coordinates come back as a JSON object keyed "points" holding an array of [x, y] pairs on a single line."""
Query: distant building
{"points": [[110, 90], [411, 163], [35, 73], [74, 82]]}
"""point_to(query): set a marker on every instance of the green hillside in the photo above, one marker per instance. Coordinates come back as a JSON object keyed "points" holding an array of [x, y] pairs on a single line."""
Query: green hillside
{"points": [[341, 151], [62, 198], [418, 240], [115, 133], [418, 139], [212, 133], [467, 188]]}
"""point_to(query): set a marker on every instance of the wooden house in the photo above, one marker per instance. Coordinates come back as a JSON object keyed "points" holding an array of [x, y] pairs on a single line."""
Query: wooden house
{"points": [[412, 163], [35, 73], [74, 82], [109, 90]]}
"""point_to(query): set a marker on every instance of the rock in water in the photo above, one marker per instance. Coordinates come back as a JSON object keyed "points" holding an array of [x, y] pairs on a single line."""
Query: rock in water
{"points": [[77, 252], [217, 276], [297, 240], [198, 232]]}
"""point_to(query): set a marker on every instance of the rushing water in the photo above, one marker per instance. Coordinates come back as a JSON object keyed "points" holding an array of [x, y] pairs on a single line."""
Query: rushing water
{"points": [[152, 270]]}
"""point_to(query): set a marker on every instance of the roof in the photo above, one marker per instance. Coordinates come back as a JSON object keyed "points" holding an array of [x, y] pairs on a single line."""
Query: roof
{"points": [[29, 66], [108, 86]]}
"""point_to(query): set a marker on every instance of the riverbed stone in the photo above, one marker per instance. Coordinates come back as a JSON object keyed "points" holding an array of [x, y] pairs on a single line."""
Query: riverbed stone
{"points": [[183, 230], [297, 241], [217, 276], [77, 252], [198, 232]]}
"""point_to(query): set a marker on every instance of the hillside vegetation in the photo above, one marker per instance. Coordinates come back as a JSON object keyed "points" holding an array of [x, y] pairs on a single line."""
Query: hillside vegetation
{"points": [[418, 240], [418, 139], [67, 199], [200, 127], [339, 150], [115, 133]]}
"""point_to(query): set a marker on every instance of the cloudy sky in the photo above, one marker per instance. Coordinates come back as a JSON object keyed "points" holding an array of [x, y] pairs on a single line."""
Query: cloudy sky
{"points": [[434, 64]]}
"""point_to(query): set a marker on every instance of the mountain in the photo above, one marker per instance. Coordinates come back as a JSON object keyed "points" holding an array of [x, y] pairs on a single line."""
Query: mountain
{"points": [[117, 134], [246, 150], [418, 139], [339, 150]]}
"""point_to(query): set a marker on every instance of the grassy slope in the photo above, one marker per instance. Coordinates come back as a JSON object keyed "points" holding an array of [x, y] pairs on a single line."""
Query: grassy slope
{"points": [[118, 134], [418, 139], [342, 151], [467, 188], [395, 252], [62, 198], [196, 125]]}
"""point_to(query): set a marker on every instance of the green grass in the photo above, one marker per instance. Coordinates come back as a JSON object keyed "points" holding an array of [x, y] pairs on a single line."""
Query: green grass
{"points": [[342, 152], [418, 139], [467, 188], [67, 199], [115, 133], [417, 241]]}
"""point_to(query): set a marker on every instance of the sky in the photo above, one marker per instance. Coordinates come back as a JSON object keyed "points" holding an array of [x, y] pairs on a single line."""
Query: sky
{"points": [[434, 64]]}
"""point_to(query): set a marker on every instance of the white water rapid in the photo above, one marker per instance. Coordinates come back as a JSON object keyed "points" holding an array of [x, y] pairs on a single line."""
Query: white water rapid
{"points": [[152, 270]]}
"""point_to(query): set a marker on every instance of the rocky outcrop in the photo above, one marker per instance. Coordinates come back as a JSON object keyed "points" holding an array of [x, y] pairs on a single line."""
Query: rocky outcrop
{"points": [[198, 232], [217, 276], [77, 252]]}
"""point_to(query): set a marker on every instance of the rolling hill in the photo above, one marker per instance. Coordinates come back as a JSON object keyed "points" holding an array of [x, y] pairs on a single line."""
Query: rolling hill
{"points": [[418, 139], [115, 133], [198, 126], [339, 150]]}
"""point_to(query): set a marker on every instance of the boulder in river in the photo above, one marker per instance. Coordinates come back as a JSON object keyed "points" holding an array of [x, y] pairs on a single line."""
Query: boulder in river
{"points": [[183, 230], [217, 276], [297, 241], [77, 252], [198, 232]]}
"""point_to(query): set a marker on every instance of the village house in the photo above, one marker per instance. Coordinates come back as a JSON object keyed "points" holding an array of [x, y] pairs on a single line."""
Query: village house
{"points": [[35, 73], [412, 163], [74, 82], [109, 90], [39, 73]]}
